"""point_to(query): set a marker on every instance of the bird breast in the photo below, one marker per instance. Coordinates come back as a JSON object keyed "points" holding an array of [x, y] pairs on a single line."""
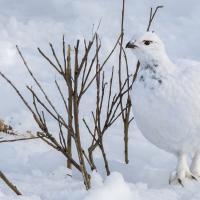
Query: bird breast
{"points": [[164, 111]]}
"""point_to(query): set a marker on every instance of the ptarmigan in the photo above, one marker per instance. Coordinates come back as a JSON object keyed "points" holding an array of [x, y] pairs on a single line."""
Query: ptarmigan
{"points": [[166, 104]]}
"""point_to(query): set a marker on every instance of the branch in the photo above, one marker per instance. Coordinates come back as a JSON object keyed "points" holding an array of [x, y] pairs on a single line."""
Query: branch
{"points": [[152, 16], [9, 184], [20, 139]]}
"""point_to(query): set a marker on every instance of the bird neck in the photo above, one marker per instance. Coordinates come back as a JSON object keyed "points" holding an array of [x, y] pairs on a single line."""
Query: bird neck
{"points": [[153, 72], [160, 64]]}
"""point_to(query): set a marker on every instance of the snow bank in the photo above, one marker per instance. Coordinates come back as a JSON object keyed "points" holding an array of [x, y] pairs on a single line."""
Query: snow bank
{"points": [[14, 197], [114, 188], [40, 171]]}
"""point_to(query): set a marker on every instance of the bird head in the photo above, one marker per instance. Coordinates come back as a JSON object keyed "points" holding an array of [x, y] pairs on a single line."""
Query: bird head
{"points": [[147, 47]]}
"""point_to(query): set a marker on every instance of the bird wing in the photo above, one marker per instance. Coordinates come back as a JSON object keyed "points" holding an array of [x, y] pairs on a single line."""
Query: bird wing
{"points": [[188, 78], [184, 63], [189, 70]]}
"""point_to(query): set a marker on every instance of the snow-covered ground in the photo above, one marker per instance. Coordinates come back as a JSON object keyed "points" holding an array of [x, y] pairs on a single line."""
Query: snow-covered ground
{"points": [[37, 170]]}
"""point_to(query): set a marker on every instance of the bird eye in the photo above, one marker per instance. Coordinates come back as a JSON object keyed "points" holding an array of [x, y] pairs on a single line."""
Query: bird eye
{"points": [[147, 42]]}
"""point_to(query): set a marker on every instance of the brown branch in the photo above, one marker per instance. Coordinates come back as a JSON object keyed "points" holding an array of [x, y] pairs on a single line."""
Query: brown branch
{"points": [[64, 53], [34, 78], [49, 61], [120, 54], [9, 183], [62, 96], [56, 58], [60, 119], [125, 113], [76, 121], [22, 98], [70, 106], [152, 15], [53, 143], [20, 139], [105, 61]]}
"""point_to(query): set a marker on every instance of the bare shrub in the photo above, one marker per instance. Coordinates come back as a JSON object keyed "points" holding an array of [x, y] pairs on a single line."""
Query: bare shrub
{"points": [[76, 71]]}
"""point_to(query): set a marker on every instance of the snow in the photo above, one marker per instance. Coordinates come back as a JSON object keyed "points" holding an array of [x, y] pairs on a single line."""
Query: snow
{"points": [[39, 171], [113, 188]]}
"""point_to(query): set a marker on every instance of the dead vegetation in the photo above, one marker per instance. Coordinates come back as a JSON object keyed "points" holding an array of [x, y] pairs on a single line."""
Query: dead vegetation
{"points": [[79, 71], [9, 183], [4, 127]]}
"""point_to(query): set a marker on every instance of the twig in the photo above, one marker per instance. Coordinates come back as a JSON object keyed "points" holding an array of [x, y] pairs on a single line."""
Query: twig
{"points": [[9, 183], [20, 139], [152, 15]]}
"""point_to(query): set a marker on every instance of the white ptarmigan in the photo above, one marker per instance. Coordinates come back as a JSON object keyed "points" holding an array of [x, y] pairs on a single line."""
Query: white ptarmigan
{"points": [[166, 104]]}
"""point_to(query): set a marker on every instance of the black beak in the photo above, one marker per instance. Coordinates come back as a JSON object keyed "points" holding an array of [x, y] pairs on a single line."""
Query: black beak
{"points": [[130, 45]]}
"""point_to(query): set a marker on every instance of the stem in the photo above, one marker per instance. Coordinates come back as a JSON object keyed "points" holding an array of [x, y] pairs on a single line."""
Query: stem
{"points": [[76, 122], [70, 116], [9, 184]]}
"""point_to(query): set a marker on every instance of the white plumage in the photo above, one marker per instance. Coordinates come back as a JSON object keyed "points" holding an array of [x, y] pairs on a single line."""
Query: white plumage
{"points": [[166, 103]]}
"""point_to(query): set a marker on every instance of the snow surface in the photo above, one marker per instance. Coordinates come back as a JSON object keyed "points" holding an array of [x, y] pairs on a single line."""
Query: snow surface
{"points": [[40, 172]]}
